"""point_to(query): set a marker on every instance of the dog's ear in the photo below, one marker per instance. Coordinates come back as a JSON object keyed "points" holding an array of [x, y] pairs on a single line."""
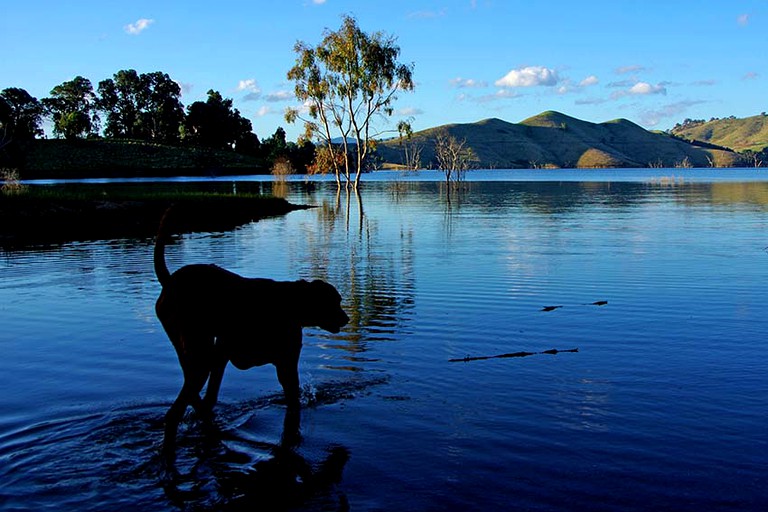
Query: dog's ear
{"points": [[324, 289], [317, 284], [323, 306]]}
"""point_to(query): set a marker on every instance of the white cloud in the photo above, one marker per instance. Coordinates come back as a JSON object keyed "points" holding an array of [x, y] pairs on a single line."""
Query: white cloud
{"points": [[318, 2], [501, 94], [567, 86], [506, 93], [140, 26], [590, 101], [252, 87], [640, 89], [185, 87], [249, 84], [263, 111], [673, 110], [743, 20], [279, 96], [629, 69], [467, 82], [529, 77], [409, 111], [622, 83], [644, 88], [425, 15]]}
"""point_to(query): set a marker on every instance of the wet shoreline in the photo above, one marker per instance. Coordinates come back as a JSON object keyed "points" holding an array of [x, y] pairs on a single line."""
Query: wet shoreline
{"points": [[27, 221]]}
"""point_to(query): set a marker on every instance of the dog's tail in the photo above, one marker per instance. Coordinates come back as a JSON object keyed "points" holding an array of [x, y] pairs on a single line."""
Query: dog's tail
{"points": [[161, 269]]}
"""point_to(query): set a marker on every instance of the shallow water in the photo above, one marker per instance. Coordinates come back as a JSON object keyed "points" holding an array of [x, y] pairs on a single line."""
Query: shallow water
{"points": [[663, 407]]}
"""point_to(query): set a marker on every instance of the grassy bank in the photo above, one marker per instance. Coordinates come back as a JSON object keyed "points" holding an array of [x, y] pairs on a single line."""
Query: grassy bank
{"points": [[45, 215], [55, 158]]}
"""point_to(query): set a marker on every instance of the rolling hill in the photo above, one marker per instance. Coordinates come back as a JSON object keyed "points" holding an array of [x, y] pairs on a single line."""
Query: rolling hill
{"points": [[552, 139], [740, 134]]}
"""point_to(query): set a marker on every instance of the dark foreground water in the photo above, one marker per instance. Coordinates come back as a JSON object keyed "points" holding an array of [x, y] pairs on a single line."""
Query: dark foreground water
{"points": [[663, 407]]}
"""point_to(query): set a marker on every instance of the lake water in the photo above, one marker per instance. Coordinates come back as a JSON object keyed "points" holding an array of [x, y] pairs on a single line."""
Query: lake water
{"points": [[657, 277]]}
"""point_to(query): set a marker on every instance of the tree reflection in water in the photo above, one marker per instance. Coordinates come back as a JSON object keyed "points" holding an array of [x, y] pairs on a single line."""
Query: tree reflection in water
{"points": [[374, 273]]}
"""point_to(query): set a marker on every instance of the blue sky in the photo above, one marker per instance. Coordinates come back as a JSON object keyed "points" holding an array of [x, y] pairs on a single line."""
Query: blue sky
{"points": [[654, 62]]}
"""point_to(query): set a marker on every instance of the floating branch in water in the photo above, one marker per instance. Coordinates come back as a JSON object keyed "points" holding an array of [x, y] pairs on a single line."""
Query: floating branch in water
{"points": [[596, 303], [552, 351]]}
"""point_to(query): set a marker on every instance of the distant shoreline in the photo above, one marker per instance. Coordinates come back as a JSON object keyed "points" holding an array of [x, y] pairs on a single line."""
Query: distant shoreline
{"points": [[29, 219], [109, 158]]}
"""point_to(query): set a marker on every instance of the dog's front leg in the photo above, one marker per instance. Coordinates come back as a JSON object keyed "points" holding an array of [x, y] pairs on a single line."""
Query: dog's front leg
{"points": [[287, 367], [288, 375]]}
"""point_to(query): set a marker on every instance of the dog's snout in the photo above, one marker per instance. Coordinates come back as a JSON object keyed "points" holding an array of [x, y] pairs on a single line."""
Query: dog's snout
{"points": [[343, 318], [340, 320]]}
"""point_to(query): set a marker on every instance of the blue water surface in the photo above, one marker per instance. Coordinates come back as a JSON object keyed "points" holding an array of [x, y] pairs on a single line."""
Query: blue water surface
{"points": [[657, 277]]}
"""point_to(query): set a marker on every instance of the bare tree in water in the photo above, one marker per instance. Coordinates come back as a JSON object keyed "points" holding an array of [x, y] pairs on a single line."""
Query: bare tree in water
{"points": [[411, 149], [454, 157]]}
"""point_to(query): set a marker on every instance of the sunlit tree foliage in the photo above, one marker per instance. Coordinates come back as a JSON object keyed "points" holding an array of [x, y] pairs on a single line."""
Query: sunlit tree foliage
{"points": [[72, 108], [346, 83], [143, 107]]}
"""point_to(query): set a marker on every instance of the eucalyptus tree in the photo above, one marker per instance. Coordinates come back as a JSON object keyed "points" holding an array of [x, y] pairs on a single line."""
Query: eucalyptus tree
{"points": [[165, 113], [5, 123], [276, 145], [143, 106], [121, 99], [214, 123], [20, 115], [72, 107], [347, 84]]}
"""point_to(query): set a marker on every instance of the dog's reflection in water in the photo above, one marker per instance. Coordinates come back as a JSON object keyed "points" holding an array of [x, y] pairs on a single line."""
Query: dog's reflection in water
{"points": [[284, 479]]}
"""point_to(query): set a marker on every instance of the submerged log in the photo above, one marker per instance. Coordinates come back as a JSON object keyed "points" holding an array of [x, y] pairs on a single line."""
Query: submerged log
{"points": [[596, 303], [552, 351]]}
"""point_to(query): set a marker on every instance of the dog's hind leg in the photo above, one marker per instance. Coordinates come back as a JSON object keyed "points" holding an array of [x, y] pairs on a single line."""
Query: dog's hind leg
{"points": [[218, 365], [196, 371], [189, 395]]}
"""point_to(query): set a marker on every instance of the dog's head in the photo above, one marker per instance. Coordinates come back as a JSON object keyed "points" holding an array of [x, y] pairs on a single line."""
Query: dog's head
{"points": [[323, 307]]}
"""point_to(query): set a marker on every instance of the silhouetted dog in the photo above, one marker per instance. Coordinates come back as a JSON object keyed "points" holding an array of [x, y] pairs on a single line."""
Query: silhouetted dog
{"points": [[214, 316]]}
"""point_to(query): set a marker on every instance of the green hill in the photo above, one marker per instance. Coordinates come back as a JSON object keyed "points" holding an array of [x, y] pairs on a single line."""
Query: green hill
{"points": [[739, 134], [552, 139]]}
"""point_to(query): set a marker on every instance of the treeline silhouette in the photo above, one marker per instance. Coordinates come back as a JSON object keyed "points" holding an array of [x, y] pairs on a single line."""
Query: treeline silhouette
{"points": [[142, 107]]}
